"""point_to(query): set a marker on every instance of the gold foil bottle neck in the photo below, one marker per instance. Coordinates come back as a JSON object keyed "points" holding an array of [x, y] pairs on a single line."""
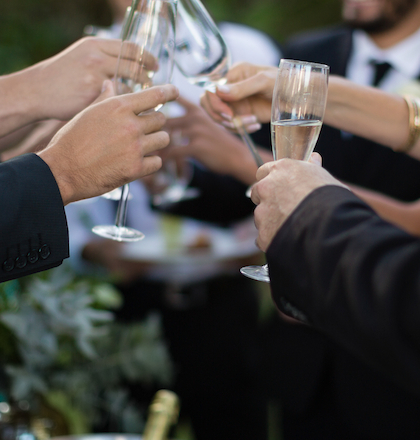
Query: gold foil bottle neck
{"points": [[163, 413]]}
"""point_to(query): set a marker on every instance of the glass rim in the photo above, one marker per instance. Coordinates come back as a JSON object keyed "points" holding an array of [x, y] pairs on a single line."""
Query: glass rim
{"points": [[306, 63], [137, 4]]}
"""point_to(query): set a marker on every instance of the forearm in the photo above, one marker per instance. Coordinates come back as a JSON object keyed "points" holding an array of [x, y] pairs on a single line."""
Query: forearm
{"points": [[369, 113], [21, 103], [37, 139], [245, 169], [11, 140], [402, 214]]}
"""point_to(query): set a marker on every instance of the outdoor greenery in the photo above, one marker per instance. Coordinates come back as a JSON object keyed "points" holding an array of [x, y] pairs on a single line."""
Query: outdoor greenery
{"points": [[31, 30], [60, 345]]}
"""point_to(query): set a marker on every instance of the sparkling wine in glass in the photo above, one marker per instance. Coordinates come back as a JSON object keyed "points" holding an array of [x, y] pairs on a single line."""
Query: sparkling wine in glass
{"points": [[148, 37], [297, 112], [202, 55]]}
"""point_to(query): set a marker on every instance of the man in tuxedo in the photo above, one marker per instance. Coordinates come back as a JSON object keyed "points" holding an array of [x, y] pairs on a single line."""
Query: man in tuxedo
{"points": [[83, 160], [326, 391]]}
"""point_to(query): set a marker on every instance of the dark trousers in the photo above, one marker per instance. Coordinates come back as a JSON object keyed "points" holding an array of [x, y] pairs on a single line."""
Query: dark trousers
{"points": [[211, 330]]}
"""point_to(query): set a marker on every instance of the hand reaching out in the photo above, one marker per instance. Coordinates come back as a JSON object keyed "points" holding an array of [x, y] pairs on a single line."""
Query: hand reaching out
{"points": [[61, 86], [196, 135], [248, 92]]}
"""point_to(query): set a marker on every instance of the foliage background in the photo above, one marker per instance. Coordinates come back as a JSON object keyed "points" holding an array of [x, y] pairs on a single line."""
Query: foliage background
{"points": [[31, 30]]}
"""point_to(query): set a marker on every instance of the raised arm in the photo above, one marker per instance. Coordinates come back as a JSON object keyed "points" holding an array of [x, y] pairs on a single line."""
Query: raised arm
{"points": [[365, 111], [406, 215], [58, 87], [369, 112]]}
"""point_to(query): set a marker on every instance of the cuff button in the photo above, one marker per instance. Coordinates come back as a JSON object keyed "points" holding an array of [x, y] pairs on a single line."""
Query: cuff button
{"points": [[32, 256], [21, 262], [44, 251], [9, 264]]}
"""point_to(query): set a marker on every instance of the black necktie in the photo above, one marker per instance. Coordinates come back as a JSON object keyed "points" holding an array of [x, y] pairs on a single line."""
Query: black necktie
{"points": [[381, 70]]}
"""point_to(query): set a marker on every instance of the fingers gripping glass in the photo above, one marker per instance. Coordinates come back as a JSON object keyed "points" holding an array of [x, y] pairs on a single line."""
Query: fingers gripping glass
{"points": [[145, 59], [297, 112]]}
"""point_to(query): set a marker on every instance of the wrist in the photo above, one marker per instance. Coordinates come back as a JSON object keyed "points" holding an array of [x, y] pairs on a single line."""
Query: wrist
{"points": [[335, 100], [35, 94], [18, 102], [62, 178]]}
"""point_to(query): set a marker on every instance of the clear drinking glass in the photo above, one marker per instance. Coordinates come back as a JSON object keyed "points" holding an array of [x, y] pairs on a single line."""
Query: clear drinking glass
{"points": [[148, 36], [175, 176], [203, 57], [297, 112]]}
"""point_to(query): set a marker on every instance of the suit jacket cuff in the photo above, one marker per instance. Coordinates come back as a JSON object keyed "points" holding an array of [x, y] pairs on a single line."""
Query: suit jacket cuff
{"points": [[34, 234], [290, 251]]}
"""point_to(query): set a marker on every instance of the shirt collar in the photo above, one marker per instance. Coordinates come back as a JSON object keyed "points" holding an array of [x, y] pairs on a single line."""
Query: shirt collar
{"points": [[404, 56]]}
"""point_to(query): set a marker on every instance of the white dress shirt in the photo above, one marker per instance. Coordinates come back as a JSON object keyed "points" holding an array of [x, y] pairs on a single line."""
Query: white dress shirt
{"points": [[404, 58]]}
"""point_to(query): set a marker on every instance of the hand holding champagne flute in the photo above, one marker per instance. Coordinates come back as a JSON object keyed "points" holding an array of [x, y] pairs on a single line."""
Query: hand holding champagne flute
{"points": [[148, 36], [297, 112]]}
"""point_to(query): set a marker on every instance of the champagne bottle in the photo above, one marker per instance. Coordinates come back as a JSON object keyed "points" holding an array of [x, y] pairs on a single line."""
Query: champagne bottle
{"points": [[163, 413]]}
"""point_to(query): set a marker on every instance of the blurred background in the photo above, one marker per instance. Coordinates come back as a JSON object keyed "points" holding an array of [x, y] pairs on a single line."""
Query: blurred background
{"points": [[31, 30]]}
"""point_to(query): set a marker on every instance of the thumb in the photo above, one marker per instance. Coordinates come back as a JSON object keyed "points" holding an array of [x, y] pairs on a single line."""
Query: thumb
{"points": [[106, 92], [315, 159]]}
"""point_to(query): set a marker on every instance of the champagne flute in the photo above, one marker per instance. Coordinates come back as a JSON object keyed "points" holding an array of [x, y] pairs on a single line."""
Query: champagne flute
{"points": [[203, 57], [297, 112], [175, 176], [148, 36], [90, 30]]}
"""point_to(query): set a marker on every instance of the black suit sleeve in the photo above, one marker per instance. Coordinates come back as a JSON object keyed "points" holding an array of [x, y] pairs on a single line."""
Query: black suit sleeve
{"points": [[33, 226], [355, 277]]}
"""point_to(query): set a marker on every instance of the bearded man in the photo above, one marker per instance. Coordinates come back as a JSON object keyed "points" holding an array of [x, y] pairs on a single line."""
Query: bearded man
{"points": [[378, 44], [326, 392]]}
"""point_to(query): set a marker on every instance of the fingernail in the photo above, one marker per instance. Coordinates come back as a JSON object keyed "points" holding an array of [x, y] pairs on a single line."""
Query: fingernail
{"points": [[249, 119], [103, 86], [316, 159], [253, 127], [226, 116], [228, 124], [223, 89]]}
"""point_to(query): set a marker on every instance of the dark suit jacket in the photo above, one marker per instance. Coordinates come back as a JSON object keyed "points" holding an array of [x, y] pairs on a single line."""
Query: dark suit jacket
{"points": [[322, 381], [354, 159], [355, 277], [33, 226]]}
